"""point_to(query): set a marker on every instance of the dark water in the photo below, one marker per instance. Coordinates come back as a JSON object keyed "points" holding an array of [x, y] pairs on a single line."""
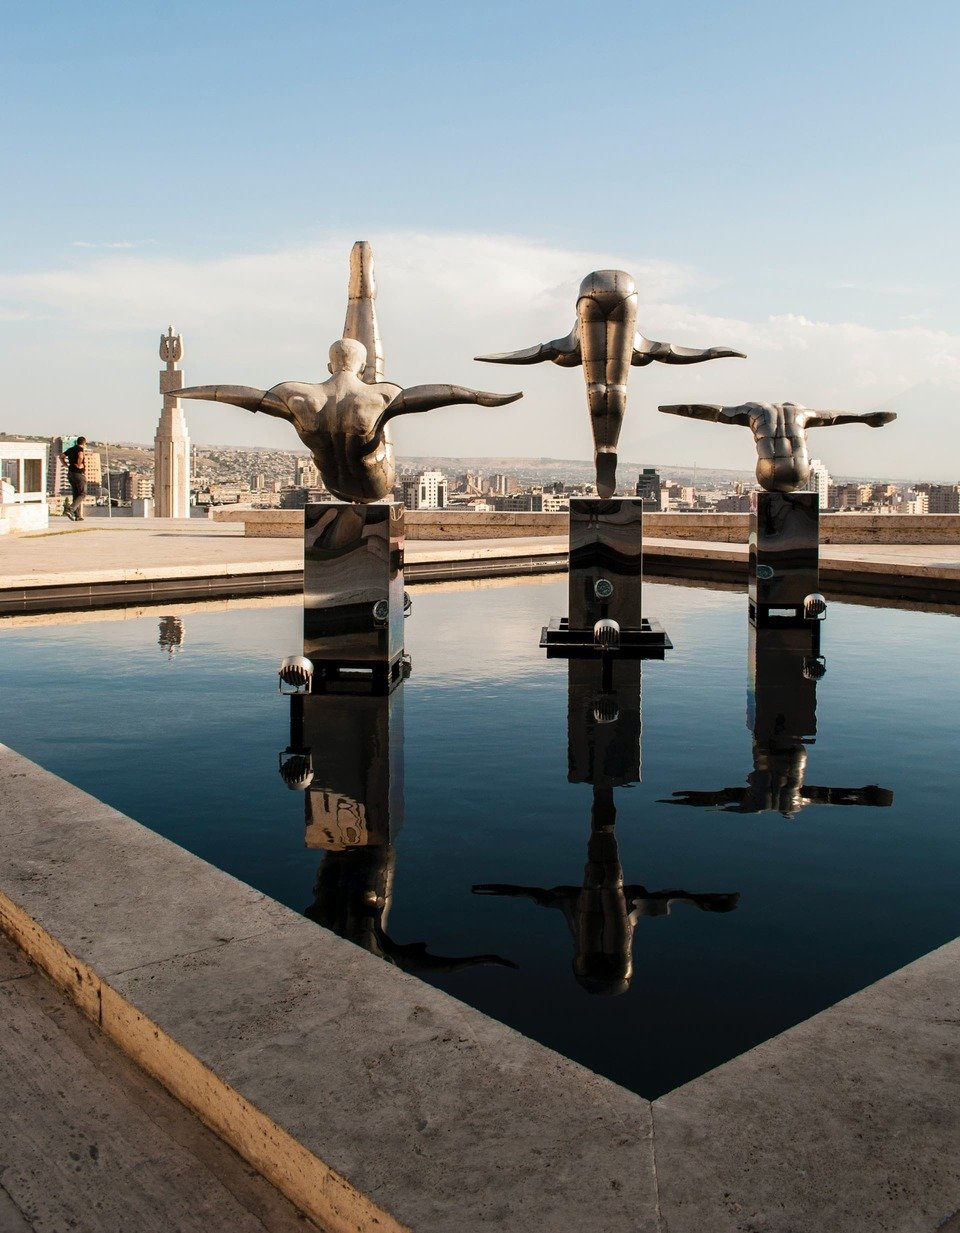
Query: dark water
{"points": [[831, 898]]}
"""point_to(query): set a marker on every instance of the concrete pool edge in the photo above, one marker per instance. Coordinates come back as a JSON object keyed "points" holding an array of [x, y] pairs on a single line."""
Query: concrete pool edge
{"points": [[454, 1121]]}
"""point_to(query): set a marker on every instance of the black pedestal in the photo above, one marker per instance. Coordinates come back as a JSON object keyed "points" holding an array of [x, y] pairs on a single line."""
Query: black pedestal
{"points": [[605, 582], [353, 595], [784, 556]]}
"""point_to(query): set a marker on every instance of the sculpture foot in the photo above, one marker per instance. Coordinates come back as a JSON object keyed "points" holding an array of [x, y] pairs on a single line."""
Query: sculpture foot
{"points": [[606, 473]]}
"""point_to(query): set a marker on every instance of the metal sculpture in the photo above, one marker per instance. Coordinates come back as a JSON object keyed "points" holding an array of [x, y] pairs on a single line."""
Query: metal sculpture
{"points": [[605, 341], [343, 421], [780, 432]]}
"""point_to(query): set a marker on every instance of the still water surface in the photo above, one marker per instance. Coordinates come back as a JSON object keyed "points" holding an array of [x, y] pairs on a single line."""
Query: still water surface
{"points": [[175, 719]]}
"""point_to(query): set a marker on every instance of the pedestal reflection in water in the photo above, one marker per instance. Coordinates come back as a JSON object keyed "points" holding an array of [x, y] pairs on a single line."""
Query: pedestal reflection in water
{"points": [[603, 749], [346, 756], [784, 666]]}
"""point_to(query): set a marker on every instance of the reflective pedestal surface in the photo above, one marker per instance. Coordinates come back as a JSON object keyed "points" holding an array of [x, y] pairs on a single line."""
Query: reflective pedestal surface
{"points": [[353, 594], [784, 555], [605, 580]]}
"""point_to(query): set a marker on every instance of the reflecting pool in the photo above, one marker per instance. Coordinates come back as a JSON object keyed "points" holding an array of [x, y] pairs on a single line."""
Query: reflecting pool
{"points": [[649, 873]]}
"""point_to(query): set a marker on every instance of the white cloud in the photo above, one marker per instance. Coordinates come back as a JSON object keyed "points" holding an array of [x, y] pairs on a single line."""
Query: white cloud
{"points": [[103, 244], [262, 317]]}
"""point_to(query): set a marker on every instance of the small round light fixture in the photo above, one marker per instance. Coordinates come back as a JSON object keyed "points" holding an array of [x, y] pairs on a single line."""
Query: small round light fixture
{"points": [[814, 607], [381, 612], [606, 635], [296, 672], [603, 589]]}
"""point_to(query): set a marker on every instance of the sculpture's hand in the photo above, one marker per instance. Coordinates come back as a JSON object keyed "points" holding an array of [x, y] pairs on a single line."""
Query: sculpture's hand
{"points": [[246, 396], [645, 351], [710, 411], [877, 419], [420, 398], [563, 351]]}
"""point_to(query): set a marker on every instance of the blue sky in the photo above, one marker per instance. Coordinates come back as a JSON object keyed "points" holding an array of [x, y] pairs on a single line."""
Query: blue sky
{"points": [[785, 175]]}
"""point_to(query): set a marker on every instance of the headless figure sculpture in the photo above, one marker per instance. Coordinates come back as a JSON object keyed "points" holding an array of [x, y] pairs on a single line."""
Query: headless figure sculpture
{"points": [[780, 432], [343, 421], [606, 342]]}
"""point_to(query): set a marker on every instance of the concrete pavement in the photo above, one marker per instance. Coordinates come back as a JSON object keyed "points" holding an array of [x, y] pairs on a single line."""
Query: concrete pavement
{"points": [[107, 564]]}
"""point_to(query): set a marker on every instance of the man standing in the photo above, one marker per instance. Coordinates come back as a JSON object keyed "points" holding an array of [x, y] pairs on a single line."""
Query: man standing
{"points": [[76, 463]]}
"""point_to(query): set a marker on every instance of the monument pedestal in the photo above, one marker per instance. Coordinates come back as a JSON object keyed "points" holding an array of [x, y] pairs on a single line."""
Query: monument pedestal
{"points": [[353, 596], [784, 556], [605, 583]]}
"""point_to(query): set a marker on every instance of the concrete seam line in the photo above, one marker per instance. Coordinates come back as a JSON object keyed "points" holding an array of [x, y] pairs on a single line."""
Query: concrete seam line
{"points": [[309, 1183]]}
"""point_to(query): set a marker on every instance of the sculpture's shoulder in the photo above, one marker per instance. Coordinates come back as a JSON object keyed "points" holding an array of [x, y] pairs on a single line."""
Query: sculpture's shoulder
{"points": [[386, 390], [763, 417], [303, 393]]}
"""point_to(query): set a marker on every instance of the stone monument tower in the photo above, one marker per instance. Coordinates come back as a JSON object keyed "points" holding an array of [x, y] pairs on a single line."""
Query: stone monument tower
{"points": [[171, 445]]}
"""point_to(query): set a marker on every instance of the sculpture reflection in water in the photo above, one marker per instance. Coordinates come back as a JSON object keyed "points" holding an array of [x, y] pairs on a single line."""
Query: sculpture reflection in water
{"points": [[784, 668], [346, 755], [171, 634], [604, 729]]}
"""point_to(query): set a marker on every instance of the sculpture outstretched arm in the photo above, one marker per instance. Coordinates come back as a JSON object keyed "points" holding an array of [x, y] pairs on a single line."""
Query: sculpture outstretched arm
{"points": [[563, 351], [429, 397], [414, 956], [869, 794], [826, 419], [709, 411], [539, 894], [645, 351], [246, 396], [722, 797]]}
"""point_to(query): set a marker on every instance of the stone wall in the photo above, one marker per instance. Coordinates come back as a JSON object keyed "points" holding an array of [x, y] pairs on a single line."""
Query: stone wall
{"points": [[717, 528]]}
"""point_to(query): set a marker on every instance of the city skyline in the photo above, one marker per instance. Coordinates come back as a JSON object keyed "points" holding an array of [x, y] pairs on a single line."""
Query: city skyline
{"points": [[805, 231]]}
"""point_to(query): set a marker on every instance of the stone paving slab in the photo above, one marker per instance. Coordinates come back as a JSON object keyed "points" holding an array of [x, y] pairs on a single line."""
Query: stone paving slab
{"points": [[765, 1143], [91, 1144]]}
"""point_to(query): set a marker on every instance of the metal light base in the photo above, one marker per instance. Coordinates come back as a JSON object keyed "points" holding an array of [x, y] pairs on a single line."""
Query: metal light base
{"points": [[353, 596], [784, 565], [650, 641]]}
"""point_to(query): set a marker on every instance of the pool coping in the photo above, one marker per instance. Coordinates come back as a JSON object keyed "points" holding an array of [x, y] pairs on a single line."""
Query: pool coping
{"points": [[375, 1102], [892, 577]]}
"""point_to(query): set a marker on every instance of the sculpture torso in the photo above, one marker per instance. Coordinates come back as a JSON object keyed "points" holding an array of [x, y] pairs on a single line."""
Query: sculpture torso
{"points": [[335, 420], [779, 430]]}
